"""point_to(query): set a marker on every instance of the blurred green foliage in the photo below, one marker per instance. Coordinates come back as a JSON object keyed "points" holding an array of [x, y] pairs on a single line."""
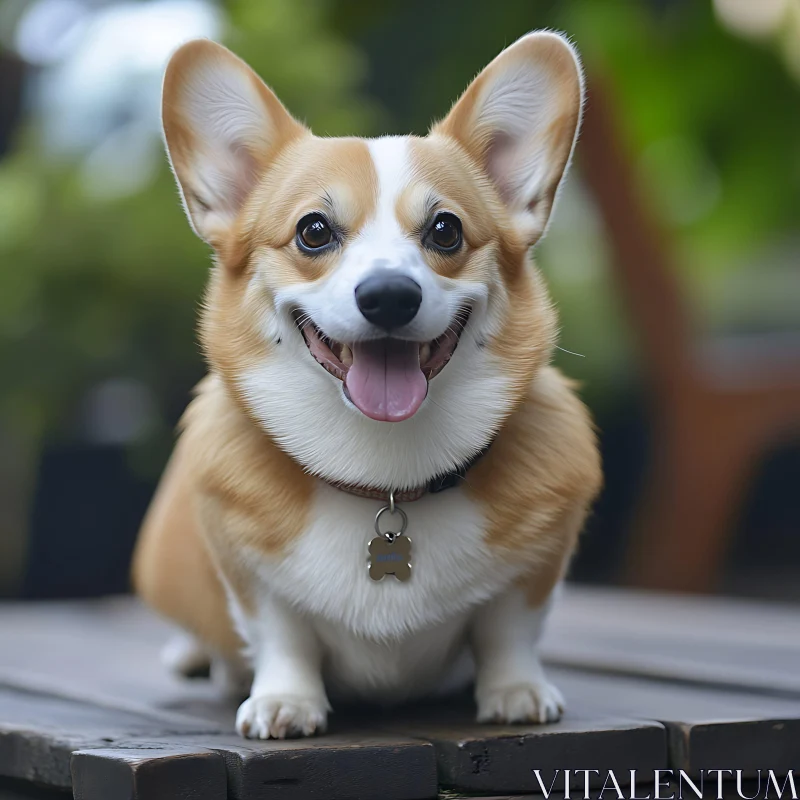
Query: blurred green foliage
{"points": [[712, 120], [91, 289], [716, 117]]}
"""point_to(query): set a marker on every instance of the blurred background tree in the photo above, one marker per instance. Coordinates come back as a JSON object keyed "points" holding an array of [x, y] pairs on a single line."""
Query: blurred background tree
{"points": [[100, 275]]}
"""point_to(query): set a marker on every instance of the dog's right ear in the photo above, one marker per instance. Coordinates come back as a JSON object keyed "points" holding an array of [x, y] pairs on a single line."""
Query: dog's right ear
{"points": [[223, 126]]}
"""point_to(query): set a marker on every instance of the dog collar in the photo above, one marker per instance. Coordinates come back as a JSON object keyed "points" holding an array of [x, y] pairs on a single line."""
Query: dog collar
{"points": [[447, 480]]}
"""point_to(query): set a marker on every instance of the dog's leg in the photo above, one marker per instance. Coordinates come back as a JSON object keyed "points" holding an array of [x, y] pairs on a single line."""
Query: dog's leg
{"points": [[288, 695], [184, 655], [231, 676], [510, 682]]}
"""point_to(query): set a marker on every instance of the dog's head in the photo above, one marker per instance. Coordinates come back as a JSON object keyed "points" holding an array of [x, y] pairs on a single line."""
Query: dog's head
{"points": [[372, 304]]}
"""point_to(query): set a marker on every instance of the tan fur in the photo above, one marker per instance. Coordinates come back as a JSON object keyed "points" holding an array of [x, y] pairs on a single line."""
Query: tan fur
{"points": [[308, 171], [264, 493], [443, 169], [537, 481], [552, 566], [172, 568], [222, 465]]}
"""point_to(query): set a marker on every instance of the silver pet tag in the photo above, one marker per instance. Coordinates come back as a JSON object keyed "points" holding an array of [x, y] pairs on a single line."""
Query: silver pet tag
{"points": [[390, 551]]}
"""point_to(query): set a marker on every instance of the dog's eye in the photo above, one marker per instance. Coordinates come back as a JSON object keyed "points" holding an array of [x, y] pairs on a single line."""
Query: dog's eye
{"points": [[313, 233], [445, 233]]}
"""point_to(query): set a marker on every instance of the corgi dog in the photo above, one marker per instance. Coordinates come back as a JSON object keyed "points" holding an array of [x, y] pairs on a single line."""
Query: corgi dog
{"points": [[381, 481]]}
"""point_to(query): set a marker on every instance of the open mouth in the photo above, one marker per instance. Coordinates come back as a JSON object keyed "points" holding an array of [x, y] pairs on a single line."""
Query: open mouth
{"points": [[386, 379]]}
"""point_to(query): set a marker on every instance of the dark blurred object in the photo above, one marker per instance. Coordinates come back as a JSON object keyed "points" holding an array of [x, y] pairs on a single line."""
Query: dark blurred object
{"points": [[765, 551], [717, 406], [12, 71], [87, 509]]}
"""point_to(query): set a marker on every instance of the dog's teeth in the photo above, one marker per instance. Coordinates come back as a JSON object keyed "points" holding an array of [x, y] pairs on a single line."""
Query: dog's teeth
{"points": [[424, 353], [346, 356]]}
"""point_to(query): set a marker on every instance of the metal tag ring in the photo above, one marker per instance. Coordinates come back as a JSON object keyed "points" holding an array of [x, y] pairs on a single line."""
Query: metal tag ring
{"points": [[393, 534]]}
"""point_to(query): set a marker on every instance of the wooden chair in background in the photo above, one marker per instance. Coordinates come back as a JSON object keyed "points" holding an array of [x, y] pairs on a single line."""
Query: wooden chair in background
{"points": [[716, 406]]}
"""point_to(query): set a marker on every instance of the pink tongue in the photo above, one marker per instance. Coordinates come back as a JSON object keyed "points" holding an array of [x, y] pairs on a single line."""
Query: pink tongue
{"points": [[385, 381]]}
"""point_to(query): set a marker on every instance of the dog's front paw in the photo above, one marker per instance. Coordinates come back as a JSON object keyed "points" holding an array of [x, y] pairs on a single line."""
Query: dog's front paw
{"points": [[281, 717], [534, 701]]}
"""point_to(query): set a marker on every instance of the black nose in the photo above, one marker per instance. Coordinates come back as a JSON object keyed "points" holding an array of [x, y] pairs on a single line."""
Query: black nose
{"points": [[388, 300]]}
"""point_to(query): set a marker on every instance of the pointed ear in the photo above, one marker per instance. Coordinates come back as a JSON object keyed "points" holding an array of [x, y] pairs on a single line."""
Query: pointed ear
{"points": [[519, 120], [223, 127]]}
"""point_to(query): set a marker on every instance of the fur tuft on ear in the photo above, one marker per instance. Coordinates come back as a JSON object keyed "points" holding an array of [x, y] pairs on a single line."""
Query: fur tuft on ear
{"points": [[519, 120], [223, 127]]}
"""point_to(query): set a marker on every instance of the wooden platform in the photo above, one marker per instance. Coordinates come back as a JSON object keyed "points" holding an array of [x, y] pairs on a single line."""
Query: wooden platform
{"points": [[651, 682]]}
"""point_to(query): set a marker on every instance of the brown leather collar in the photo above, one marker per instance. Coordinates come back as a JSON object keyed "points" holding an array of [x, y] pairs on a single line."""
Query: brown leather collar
{"points": [[446, 480]]}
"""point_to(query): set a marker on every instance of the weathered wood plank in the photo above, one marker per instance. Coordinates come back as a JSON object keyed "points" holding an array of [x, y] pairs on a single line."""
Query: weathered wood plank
{"points": [[390, 768], [720, 642], [707, 728], [12, 789], [669, 789], [110, 647], [24, 791], [39, 733], [368, 766], [502, 758], [164, 773], [477, 760]]}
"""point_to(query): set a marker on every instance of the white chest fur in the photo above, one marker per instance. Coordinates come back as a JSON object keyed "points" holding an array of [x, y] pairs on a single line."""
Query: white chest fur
{"points": [[388, 634]]}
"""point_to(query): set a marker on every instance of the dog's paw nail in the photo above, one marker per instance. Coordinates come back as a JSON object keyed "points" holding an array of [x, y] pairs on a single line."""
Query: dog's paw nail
{"points": [[281, 717], [537, 702]]}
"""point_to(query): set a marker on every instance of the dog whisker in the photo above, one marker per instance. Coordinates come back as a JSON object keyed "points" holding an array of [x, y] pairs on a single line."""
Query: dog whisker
{"points": [[564, 350]]}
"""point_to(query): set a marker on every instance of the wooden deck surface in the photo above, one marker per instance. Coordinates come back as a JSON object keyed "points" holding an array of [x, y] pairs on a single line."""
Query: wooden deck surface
{"points": [[652, 682]]}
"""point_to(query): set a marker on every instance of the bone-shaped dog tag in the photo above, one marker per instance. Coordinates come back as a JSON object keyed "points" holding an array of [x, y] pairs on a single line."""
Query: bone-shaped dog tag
{"points": [[390, 558]]}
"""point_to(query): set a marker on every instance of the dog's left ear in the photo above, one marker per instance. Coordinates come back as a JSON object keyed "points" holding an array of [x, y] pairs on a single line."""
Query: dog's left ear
{"points": [[519, 120]]}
